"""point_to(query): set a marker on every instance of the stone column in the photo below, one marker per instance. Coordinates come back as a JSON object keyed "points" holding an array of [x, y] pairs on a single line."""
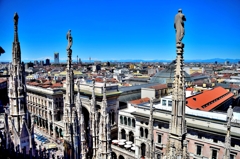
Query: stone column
{"points": [[137, 152], [127, 135], [49, 128], [119, 134]]}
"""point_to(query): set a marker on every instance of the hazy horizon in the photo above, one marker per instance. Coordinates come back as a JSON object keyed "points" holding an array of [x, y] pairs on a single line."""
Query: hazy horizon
{"points": [[116, 30]]}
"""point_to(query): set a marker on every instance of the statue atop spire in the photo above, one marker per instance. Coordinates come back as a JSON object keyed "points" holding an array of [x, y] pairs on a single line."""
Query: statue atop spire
{"points": [[70, 40], [177, 144], [15, 19]]}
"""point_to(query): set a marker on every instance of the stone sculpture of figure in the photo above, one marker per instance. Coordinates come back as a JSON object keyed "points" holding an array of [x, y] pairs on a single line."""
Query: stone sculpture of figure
{"points": [[15, 19], [179, 26], [229, 115], [70, 40]]}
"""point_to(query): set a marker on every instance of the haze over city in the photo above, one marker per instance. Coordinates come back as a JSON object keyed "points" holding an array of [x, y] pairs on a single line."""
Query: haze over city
{"points": [[115, 30]]}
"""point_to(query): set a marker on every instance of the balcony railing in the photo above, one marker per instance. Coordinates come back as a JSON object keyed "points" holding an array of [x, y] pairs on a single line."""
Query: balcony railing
{"points": [[123, 150]]}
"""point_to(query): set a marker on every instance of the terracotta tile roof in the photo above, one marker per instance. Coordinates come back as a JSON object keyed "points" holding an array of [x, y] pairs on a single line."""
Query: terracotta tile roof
{"points": [[234, 86], [126, 85], [210, 99], [47, 82], [33, 83], [213, 80], [139, 101], [45, 86], [57, 85], [98, 80], [190, 89], [159, 87], [2, 80], [194, 74]]}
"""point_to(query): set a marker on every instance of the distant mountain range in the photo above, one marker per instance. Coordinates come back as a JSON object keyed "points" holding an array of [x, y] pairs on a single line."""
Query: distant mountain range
{"points": [[219, 60]]}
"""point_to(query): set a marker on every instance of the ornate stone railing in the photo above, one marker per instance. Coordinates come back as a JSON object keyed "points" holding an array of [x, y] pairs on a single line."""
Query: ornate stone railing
{"points": [[123, 151]]}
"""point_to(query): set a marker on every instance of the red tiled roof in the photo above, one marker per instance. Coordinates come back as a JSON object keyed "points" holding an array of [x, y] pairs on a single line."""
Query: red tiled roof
{"points": [[139, 101], [45, 86], [194, 74], [2, 80], [57, 85], [190, 89], [47, 82], [159, 86], [33, 83], [126, 85], [199, 101], [234, 86]]}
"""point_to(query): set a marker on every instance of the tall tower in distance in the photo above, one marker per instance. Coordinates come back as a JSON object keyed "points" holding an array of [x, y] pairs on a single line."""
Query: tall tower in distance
{"points": [[56, 58], [177, 144]]}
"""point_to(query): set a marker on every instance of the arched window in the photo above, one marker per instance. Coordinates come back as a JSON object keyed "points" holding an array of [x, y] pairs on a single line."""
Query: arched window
{"points": [[143, 149], [141, 132], [123, 133], [129, 122], [125, 120], [146, 133], [121, 119], [133, 123], [114, 156], [121, 157], [131, 136]]}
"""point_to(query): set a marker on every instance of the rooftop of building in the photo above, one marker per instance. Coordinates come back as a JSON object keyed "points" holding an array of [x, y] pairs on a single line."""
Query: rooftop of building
{"points": [[209, 99], [167, 75]]}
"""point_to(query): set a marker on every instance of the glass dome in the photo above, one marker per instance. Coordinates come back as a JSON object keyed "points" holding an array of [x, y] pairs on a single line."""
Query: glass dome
{"points": [[167, 75]]}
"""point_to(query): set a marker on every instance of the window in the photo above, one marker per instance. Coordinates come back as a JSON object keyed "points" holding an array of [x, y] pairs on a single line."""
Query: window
{"points": [[159, 138], [121, 119], [232, 156], [129, 122], [141, 132], [133, 122], [169, 103], [125, 120], [199, 136], [159, 126], [214, 154], [215, 140], [199, 150], [146, 133], [164, 102]]}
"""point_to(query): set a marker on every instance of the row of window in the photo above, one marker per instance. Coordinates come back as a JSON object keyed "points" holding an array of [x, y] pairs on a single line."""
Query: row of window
{"points": [[215, 140], [214, 152], [127, 121], [166, 103]]}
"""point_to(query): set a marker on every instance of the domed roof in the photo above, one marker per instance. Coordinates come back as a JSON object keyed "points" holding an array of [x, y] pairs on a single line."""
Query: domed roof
{"points": [[167, 75]]}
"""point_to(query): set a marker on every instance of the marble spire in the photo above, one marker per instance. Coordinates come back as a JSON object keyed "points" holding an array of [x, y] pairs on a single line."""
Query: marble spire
{"points": [[94, 119], [177, 144], [228, 135], [104, 150], [18, 112], [150, 136]]}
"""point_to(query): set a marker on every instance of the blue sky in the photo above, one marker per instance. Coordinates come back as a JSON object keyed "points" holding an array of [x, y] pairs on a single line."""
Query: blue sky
{"points": [[121, 29]]}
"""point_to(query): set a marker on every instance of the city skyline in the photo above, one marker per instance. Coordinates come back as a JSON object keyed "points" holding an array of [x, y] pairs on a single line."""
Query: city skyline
{"points": [[117, 30]]}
